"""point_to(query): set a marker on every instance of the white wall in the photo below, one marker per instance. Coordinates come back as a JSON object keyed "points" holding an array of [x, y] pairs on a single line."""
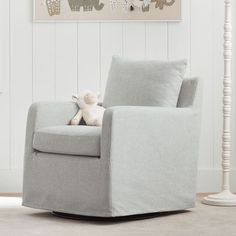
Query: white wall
{"points": [[51, 61]]}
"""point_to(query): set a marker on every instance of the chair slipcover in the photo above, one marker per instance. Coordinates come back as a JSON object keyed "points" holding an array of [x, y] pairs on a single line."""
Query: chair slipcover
{"points": [[147, 162]]}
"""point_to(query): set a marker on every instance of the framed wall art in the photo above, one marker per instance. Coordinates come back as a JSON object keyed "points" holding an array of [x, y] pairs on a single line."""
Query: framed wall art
{"points": [[107, 10]]}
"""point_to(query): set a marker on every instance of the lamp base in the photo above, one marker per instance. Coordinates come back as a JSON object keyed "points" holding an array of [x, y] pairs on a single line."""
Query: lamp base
{"points": [[225, 198]]}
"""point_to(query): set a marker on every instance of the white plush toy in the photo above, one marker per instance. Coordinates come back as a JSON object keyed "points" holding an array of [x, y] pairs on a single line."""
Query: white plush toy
{"points": [[89, 109]]}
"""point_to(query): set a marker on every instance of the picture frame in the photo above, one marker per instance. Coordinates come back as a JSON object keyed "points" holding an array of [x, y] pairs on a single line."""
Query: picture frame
{"points": [[104, 11]]}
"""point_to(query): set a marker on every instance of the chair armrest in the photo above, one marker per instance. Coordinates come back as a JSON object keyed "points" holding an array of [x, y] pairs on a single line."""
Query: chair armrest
{"points": [[44, 114], [147, 150], [131, 126]]}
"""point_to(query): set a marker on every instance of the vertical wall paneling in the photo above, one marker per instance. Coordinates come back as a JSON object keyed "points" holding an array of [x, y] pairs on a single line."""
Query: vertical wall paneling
{"points": [[156, 41], [111, 44], [21, 76], [51, 61], [4, 85], [201, 65], [89, 56], [134, 40], [179, 37], [66, 60], [44, 61]]}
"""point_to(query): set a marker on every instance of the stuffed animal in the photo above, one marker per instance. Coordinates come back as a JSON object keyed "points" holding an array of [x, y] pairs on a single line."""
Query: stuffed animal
{"points": [[89, 109]]}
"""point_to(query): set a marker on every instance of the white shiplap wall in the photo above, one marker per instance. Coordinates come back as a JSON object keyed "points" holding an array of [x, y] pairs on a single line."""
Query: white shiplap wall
{"points": [[51, 61]]}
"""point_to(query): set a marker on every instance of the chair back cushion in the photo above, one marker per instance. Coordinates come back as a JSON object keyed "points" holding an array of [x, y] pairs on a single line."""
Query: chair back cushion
{"points": [[144, 83]]}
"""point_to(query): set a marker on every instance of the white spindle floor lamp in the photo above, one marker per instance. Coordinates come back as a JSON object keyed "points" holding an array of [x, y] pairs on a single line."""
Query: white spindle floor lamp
{"points": [[226, 198]]}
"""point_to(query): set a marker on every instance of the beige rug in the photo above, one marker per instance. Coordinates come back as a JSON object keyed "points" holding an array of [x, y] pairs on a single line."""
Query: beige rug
{"points": [[16, 220]]}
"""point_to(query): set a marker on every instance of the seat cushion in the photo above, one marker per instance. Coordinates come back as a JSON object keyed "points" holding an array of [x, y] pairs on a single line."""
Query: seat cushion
{"points": [[144, 83], [71, 140]]}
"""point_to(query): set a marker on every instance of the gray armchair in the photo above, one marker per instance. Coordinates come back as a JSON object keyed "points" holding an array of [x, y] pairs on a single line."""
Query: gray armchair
{"points": [[142, 160]]}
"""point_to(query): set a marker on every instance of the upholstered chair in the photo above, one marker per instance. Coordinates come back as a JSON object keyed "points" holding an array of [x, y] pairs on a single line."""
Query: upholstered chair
{"points": [[142, 160]]}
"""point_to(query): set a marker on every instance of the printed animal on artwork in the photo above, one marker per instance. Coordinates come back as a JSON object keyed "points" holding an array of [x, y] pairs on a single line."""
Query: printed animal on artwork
{"points": [[158, 4], [144, 5], [86, 5], [53, 7]]}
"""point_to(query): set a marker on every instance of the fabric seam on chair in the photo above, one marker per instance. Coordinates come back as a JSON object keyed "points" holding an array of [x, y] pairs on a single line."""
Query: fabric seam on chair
{"points": [[69, 154]]}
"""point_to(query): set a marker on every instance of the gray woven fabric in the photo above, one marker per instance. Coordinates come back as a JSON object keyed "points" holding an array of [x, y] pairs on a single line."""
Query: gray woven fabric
{"points": [[144, 83], [187, 92], [64, 183], [153, 157], [66, 139], [148, 162]]}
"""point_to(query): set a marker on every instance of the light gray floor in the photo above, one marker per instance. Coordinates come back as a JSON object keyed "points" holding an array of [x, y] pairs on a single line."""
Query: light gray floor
{"points": [[200, 221]]}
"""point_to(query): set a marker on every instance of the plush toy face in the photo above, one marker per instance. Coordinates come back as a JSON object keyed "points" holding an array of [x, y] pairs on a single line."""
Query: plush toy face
{"points": [[85, 98]]}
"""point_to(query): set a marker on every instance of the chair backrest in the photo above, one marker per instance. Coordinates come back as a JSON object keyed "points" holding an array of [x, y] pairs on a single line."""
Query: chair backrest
{"points": [[189, 92], [144, 83]]}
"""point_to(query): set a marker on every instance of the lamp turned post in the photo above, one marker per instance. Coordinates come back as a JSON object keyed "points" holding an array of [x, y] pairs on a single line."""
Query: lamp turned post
{"points": [[225, 198]]}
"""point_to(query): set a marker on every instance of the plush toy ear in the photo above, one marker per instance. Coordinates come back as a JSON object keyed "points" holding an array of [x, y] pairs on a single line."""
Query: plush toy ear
{"points": [[74, 98]]}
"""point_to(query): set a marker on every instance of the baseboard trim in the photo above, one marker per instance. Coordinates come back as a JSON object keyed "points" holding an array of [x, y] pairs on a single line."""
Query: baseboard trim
{"points": [[208, 180], [10, 194]]}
